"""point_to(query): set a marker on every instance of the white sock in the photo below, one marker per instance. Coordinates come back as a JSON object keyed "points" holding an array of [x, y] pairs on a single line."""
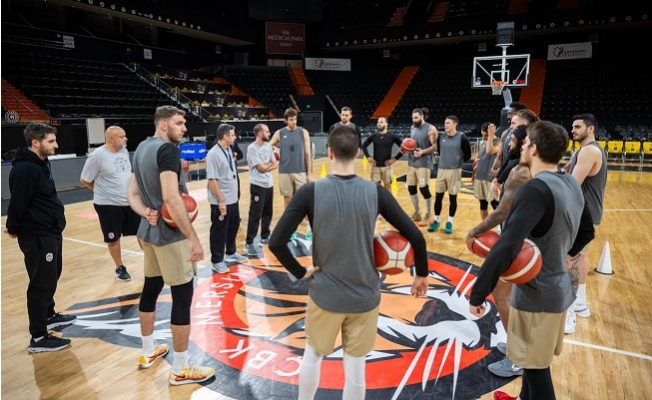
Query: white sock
{"points": [[308, 229], [450, 219], [149, 343], [309, 373], [354, 374], [181, 359], [428, 205], [436, 218], [581, 293], [414, 198]]}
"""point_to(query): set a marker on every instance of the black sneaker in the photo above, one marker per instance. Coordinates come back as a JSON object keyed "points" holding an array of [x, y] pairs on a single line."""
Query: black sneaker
{"points": [[122, 274], [59, 319], [48, 343]]}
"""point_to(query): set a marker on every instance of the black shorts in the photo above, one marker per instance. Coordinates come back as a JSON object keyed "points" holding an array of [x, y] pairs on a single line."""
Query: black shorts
{"points": [[117, 221]]}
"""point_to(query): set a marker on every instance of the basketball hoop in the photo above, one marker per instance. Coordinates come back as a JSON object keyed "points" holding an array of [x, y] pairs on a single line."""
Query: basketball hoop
{"points": [[497, 87]]}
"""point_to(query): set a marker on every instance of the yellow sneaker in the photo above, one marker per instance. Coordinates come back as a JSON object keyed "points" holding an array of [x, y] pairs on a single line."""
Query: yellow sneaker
{"points": [[426, 220], [192, 374], [416, 217], [159, 351]]}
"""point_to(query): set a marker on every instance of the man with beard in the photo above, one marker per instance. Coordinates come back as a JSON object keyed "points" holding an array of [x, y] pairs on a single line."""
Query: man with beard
{"points": [[589, 167], [107, 172], [36, 217], [480, 179], [262, 162], [170, 253], [550, 211], [382, 161], [454, 150], [420, 163], [504, 137], [345, 120]]}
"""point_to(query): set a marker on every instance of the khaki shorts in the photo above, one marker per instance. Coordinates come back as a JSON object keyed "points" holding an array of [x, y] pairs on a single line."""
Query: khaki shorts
{"points": [[533, 338], [448, 180], [358, 330], [290, 183], [170, 262], [418, 176], [382, 174], [482, 190]]}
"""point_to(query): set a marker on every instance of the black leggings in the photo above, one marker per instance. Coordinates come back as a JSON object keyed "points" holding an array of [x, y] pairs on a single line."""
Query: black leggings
{"points": [[537, 385]]}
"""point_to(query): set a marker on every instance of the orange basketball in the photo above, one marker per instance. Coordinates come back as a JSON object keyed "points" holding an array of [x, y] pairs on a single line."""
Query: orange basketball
{"points": [[526, 266], [393, 253], [483, 243], [191, 207], [409, 144]]}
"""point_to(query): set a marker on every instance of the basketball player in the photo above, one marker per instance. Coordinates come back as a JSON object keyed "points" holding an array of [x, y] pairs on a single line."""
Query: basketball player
{"points": [[454, 150], [170, 254], [107, 172], [481, 179], [420, 162], [345, 120], [35, 216], [262, 162], [295, 164], [504, 137], [550, 211], [344, 286], [382, 161], [589, 167], [222, 177]]}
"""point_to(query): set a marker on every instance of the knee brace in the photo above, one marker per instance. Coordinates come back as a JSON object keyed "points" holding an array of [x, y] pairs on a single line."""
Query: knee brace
{"points": [[181, 301], [425, 192], [412, 190], [151, 289], [484, 204]]}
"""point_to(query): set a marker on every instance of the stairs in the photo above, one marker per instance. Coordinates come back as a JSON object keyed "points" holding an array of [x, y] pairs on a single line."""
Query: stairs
{"points": [[300, 81], [13, 100], [395, 93]]}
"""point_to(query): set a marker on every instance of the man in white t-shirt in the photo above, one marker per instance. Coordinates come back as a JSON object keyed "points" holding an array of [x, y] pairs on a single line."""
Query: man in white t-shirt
{"points": [[261, 161], [107, 172]]}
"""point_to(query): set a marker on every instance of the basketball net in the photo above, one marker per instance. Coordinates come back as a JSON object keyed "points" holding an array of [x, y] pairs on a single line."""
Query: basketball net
{"points": [[497, 87]]}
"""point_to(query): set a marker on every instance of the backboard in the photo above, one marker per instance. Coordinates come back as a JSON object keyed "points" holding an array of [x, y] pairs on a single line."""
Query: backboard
{"points": [[513, 69]]}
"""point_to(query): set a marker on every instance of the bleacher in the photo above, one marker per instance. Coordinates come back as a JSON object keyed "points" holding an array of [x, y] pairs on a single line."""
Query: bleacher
{"points": [[271, 86]]}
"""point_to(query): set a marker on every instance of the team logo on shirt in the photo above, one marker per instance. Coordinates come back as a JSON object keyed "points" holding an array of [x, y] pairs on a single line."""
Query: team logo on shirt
{"points": [[49, 257], [250, 324]]}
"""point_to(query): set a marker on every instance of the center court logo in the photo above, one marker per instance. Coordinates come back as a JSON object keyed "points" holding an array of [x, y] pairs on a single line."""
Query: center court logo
{"points": [[251, 323]]}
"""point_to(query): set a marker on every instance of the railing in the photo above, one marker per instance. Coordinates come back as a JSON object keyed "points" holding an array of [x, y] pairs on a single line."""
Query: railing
{"points": [[33, 42], [14, 116], [174, 94]]}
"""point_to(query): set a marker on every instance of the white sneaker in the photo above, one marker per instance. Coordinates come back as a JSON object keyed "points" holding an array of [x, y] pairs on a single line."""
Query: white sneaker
{"points": [[220, 267], [582, 309], [235, 257], [569, 327]]}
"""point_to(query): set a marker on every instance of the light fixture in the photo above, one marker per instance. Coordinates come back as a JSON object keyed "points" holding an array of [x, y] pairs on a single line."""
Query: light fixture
{"points": [[426, 36], [346, 43], [612, 19], [581, 22], [524, 27], [552, 24]]}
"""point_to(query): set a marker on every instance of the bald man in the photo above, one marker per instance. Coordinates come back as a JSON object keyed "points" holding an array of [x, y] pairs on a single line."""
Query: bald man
{"points": [[107, 172]]}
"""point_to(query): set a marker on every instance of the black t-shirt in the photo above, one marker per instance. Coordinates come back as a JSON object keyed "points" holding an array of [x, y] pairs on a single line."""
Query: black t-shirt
{"points": [[383, 144]]}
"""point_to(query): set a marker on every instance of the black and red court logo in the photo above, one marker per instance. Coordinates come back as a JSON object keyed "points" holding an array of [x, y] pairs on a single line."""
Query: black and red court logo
{"points": [[249, 324]]}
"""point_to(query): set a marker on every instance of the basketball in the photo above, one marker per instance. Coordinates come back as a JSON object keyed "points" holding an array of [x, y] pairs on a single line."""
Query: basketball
{"points": [[277, 152], [393, 253], [409, 144], [475, 163], [526, 266], [191, 207], [483, 243]]}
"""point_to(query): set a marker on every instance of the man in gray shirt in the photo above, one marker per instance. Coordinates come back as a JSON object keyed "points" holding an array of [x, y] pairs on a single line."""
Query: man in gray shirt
{"points": [[107, 172], [262, 162], [221, 173], [454, 150]]}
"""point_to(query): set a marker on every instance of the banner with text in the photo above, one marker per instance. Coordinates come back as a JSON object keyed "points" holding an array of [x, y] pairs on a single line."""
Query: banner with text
{"points": [[570, 51], [282, 38], [328, 64]]}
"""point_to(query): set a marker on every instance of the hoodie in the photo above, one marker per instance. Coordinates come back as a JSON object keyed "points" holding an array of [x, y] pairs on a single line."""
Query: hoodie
{"points": [[34, 208]]}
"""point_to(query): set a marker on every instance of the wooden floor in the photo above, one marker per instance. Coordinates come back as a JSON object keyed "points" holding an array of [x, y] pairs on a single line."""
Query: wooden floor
{"points": [[608, 357]]}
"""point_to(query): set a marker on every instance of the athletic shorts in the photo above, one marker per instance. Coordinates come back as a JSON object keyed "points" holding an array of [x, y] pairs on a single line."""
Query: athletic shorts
{"points": [[448, 180], [117, 221], [533, 338], [290, 183], [382, 174], [170, 262], [482, 190], [358, 330], [418, 176], [585, 250]]}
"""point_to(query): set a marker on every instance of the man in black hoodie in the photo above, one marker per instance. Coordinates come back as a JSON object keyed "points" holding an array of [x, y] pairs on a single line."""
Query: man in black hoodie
{"points": [[36, 217]]}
